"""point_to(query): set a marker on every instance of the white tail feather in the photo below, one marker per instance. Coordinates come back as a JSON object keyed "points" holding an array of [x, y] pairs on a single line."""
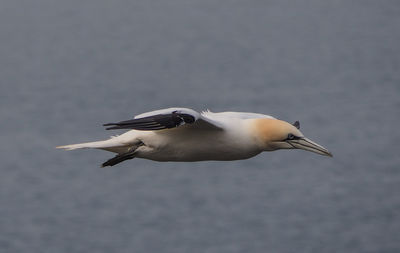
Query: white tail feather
{"points": [[95, 144]]}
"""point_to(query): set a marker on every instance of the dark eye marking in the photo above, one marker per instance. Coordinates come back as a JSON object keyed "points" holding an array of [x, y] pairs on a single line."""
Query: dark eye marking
{"points": [[292, 137]]}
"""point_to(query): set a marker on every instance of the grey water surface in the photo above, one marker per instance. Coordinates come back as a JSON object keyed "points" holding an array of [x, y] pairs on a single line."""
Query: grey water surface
{"points": [[66, 67]]}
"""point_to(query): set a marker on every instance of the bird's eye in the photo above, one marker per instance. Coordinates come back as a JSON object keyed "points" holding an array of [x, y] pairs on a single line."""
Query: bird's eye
{"points": [[291, 137]]}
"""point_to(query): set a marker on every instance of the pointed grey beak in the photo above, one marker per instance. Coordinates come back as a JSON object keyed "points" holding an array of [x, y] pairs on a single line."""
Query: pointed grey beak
{"points": [[307, 144]]}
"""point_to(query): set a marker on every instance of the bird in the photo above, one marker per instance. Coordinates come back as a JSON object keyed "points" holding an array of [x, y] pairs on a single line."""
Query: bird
{"points": [[185, 135]]}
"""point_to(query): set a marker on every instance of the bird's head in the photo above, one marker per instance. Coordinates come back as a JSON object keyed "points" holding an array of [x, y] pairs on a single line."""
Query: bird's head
{"points": [[273, 134]]}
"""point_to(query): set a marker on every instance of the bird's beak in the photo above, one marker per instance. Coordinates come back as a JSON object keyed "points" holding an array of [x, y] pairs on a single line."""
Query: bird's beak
{"points": [[309, 145]]}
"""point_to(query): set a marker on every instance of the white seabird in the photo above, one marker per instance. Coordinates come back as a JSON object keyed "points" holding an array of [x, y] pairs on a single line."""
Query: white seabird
{"points": [[182, 134]]}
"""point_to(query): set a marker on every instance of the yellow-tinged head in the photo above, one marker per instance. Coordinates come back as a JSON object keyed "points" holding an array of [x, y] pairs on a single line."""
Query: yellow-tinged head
{"points": [[273, 134]]}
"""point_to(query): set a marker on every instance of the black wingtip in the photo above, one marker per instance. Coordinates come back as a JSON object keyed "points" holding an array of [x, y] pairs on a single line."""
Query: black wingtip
{"points": [[113, 127], [154, 122], [119, 158]]}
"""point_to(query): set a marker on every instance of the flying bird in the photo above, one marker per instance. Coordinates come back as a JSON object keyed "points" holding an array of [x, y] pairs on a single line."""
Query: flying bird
{"points": [[182, 134]]}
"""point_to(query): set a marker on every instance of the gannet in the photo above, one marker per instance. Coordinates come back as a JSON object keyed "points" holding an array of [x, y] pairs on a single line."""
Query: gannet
{"points": [[182, 134]]}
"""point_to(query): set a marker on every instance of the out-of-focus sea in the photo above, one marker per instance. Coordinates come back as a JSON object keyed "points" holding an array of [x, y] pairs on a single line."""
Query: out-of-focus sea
{"points": [[66, 67]]}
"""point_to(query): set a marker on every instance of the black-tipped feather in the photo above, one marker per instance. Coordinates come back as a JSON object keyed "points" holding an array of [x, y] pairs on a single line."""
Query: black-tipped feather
{"points": [[119, 158], [155, 122]]}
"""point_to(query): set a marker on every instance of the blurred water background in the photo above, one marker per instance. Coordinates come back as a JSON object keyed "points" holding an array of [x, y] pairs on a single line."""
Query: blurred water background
{"points": [[66, 67]]}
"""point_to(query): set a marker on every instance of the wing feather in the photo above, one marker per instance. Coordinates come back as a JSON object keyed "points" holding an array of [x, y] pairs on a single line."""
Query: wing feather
{"points": [[164, 119]]}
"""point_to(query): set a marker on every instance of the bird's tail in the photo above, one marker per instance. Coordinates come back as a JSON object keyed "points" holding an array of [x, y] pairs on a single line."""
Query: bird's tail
{"points": [[96, 144]]}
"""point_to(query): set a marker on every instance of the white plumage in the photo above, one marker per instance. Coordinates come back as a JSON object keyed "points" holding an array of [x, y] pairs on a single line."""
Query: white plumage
{"points": [[182, 134]]}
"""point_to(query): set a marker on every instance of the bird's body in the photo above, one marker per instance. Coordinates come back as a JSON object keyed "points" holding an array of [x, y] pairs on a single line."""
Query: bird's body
{"points": [[181, 134]]}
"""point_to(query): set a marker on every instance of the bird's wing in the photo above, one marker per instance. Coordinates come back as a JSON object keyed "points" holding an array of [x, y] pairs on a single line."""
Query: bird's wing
{"points": [[236, 115], [166, 119]]}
